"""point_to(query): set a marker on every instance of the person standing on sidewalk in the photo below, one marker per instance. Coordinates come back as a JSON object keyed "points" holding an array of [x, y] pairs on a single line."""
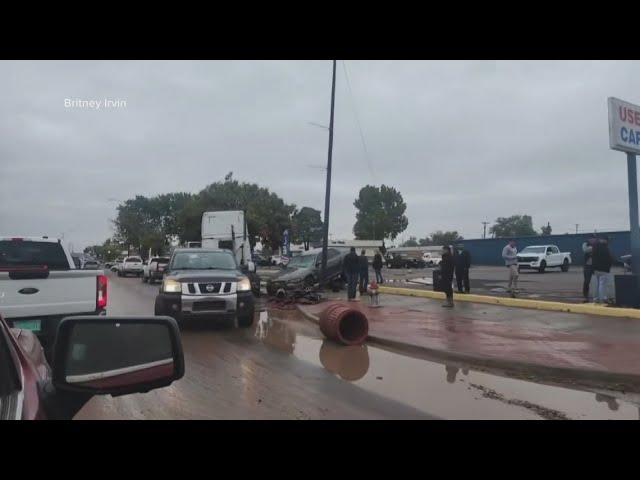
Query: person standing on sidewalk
{"points": [[351, 269], [446, 275], [377, 267], [510, 257], [587, 249], [363, 263], [601, 261], [462, 260]]}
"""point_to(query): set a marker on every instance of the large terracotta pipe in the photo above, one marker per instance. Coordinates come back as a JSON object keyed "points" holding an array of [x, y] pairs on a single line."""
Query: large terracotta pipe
{"points": [[344, 324]]}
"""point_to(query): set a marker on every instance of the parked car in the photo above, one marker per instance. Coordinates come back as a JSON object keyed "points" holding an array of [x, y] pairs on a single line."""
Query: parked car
{"points": [[431, 260], [261, 260], [154, 269], [541, 257], [403, 260], [93, 356], [207, 284], [279, 260], [303, 271], [40, 286], [130, 266], [115, 266]]}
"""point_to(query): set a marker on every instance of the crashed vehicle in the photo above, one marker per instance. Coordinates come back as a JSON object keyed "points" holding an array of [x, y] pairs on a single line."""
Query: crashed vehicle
{"points": [[303, 272]]}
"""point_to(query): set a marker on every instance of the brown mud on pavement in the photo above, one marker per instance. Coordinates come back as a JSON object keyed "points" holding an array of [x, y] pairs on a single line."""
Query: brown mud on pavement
{"points": [[589, 349], [281, 368], [376, 384]]}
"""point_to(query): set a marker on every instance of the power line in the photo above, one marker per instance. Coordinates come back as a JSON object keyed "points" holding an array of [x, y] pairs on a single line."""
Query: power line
{"points": [[355, 111]]}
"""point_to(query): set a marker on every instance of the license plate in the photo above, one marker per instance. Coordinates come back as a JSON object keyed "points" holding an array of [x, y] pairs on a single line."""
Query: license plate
{"points": [[33, 325]]}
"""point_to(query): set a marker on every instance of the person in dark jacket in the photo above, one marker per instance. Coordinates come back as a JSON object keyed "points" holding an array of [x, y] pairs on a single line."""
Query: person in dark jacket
{"points": [[377, 267], [587, 249], [601, 261], [363, 272], [351, 269], [462, 261], [446, 275]]}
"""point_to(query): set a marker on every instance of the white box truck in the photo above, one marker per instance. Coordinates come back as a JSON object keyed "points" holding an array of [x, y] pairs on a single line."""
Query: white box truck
{"points": [[227, 229]]}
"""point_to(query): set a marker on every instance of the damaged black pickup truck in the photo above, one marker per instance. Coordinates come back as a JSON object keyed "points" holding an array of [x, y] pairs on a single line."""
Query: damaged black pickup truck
{"points": [[303, 272]]}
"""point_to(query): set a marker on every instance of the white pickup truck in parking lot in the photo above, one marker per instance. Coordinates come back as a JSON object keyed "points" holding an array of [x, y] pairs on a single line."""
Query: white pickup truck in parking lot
{"points": [[40, 285], [541, 257], [131, 266]]}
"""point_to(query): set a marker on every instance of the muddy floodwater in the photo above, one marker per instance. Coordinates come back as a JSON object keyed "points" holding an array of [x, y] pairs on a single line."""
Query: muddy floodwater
{"points": [[445, 391], [282, 368]]}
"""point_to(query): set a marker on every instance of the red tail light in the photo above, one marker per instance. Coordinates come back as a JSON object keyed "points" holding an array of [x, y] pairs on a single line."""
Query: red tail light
{"points": [[101, 294]]}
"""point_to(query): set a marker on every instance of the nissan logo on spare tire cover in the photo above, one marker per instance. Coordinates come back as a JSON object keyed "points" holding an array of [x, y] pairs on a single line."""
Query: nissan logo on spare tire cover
{"points": [[209, 288]]}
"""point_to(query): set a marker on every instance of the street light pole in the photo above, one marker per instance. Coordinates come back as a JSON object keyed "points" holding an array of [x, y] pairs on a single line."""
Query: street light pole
{"points": [[327, 195]]}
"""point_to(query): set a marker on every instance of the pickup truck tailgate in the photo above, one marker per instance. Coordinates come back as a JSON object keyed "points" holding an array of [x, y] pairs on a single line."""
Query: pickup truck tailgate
{"points": [[61, 293]]}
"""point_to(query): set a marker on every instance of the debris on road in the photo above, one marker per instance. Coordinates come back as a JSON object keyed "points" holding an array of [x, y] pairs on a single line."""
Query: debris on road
{"points": [[544, 412]]}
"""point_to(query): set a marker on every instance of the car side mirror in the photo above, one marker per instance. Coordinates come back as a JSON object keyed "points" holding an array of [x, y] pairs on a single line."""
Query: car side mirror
{"points": [[117, 355]]}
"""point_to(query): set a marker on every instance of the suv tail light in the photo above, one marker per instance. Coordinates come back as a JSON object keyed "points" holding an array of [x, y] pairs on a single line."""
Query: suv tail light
{"points": [[101, 293]]}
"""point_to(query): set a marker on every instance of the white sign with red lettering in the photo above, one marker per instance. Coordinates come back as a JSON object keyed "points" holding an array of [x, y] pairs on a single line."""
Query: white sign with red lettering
{"points": [[624, 126]]}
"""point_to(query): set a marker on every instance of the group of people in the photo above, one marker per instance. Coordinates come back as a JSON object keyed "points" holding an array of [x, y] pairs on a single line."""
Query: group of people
{"points": [[456, 262], [597, 265], [356, 269]]}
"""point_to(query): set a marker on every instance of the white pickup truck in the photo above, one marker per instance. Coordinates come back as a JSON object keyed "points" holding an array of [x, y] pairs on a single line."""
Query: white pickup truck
{"points": [[541, 257], [40, 285], [431, 259], [131, 266]]}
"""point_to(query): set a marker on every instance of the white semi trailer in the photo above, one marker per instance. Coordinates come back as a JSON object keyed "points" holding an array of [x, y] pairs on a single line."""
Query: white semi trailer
{"points": [[227, 229]]}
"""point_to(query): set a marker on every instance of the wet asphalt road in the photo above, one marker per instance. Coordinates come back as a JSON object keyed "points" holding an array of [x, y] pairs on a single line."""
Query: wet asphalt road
{"points": [[234, 374], [281, 368]]}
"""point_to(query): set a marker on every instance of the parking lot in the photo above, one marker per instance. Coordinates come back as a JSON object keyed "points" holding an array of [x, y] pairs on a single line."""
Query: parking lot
{"points": [[493, 280]]}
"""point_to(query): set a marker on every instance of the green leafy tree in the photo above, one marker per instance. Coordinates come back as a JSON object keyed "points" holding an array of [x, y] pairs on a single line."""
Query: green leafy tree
{"points": [[513, 226], [95, 251], [111, 249], [147, 222], [445, 238], [412, 242], [380, 213], [266, 213], [306, 226]]}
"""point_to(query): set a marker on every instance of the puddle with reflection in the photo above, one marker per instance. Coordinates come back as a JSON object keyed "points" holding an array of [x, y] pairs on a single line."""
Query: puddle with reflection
{"points": [[444, 390]]}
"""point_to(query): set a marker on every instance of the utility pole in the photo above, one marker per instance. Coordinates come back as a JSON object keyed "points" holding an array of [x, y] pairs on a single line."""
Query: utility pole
{"points": [[577, 225], [484, 233], [327, 195]]}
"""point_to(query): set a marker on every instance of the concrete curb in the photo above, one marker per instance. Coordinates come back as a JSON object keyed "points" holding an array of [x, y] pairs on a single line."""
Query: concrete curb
{"points": [[583, 308], [578, 376]]}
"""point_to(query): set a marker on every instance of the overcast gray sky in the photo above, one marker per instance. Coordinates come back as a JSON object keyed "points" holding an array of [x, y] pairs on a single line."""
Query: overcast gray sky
{"points": [[463, 141]]}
